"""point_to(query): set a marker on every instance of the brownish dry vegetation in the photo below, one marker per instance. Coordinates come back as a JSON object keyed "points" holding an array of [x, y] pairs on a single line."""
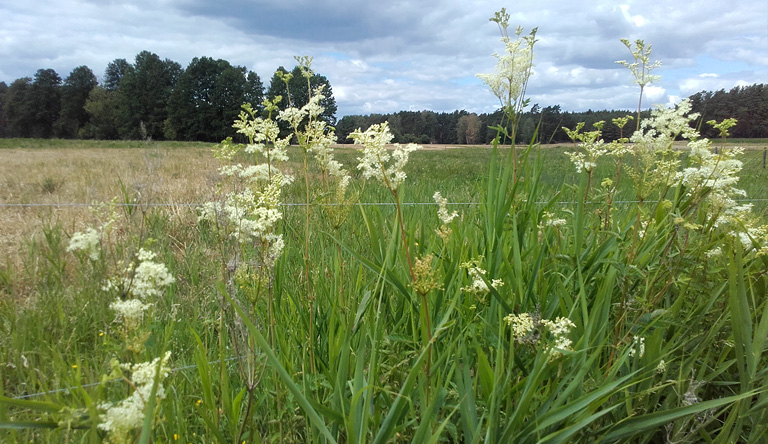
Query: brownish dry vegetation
{"points": [[49, 181]]}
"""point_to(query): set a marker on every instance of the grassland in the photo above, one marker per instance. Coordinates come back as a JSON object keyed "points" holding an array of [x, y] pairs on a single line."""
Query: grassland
{"points": [[354, 352], [58, 172]]}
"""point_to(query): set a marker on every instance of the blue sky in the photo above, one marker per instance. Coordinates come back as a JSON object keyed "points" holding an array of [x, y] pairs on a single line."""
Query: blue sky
{"points": [[386, 56]]}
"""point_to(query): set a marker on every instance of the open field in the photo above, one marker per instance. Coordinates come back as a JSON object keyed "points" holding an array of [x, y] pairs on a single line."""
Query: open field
{"points": [[85, 172], [533, 314]]}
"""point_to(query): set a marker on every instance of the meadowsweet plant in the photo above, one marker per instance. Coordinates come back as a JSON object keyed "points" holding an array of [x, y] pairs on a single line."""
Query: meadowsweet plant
{"points": [[87, 242], [250, 208], [141, 282], [377, 161], [656, 162], [246, 220], [531, 329], [445, 217], [480, 284], [385, 167], [640, 68], [509, 80], [513, 67], [594, 147], [122, 419]]}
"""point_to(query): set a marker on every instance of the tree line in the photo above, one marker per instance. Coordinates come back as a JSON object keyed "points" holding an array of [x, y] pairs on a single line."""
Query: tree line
{"points": [[158, 99], [148, 99], [747, 104]]}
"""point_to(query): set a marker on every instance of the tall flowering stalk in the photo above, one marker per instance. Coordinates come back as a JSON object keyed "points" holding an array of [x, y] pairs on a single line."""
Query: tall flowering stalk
{"points": [[510, 79], [388, 168], [246, 219], [313, 135], [640, 68]]}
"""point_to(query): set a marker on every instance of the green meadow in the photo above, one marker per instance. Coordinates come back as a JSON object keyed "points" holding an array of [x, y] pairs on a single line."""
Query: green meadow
{"points": [[320, 293], [355, 361]]}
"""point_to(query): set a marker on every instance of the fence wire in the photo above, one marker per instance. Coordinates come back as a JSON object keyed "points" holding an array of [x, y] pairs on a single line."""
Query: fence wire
{"points": [[304, 204], [109, 381]]}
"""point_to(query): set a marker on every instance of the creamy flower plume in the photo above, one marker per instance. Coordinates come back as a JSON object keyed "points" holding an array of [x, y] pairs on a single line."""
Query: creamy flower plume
{"points": [[377, 162], [88, 242], [121, 419], [513, 67], [479, 287]]}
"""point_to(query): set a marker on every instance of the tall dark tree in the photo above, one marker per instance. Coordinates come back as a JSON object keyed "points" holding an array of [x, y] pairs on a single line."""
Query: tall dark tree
{"points": [[116, 70], [144, 93], [3, 94], [255, 92], [45, 100], [208, 98], [74, 93], [19, 113]]}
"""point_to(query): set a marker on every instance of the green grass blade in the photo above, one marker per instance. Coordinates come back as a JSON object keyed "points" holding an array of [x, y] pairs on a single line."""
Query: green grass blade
{"points": [[274, 362]]}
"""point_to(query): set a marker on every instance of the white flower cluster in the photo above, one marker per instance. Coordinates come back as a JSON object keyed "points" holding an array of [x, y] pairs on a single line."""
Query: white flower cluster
{"points": [[130, 311], [513, 67], [594, 147], [550, 220], [522, 325], [445, 217], [560, 328], [88, 241], [664, 126], [148, 278], [713, 173], [717, 173], [376, 158], [442, 211], [250, 216], [637, 347], [145, 280], [479, 287], [263, 135], [252, 173], [581, 161], [525, 329], [120, 419]]}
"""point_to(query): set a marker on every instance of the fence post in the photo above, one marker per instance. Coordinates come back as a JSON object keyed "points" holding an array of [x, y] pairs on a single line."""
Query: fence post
{"points": [[764, 151]]}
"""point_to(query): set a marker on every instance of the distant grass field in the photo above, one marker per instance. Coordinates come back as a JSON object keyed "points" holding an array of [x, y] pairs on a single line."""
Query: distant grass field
{"points": [[60, 172]]}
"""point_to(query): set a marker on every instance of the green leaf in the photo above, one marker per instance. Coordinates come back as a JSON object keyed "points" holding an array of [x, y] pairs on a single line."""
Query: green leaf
{"points": [[643, 423], [40, 406]]}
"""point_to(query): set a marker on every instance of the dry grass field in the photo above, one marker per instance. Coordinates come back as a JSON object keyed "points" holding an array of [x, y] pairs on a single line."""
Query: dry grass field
{"points": [[48, 180]]}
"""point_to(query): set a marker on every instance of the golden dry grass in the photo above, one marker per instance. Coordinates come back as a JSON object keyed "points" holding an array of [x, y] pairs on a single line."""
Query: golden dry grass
{"points": [[93, 175]]}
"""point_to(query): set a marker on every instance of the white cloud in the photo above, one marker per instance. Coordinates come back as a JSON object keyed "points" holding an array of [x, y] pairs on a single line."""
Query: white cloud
{"points": [[637, 20], [429, 52]]}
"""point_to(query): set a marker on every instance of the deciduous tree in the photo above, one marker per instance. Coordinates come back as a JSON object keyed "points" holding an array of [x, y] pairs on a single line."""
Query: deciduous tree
{"points": [[74, 93], [144, 93], [207, 100]]}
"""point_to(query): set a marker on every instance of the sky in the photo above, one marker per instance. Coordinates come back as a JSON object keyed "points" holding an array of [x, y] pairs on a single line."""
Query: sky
{"points": [[385, 56]]}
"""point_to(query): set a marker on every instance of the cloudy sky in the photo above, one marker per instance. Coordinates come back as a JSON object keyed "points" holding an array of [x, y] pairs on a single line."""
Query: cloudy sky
{"points": [[386, 56]]}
